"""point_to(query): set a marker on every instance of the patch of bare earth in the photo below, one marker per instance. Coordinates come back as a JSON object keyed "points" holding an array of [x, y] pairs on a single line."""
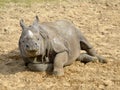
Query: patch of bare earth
{"points": [[100, 23]]}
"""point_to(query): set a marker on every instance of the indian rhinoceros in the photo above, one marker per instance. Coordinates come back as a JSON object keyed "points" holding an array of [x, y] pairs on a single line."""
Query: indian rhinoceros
{"points": [[53, 45]]}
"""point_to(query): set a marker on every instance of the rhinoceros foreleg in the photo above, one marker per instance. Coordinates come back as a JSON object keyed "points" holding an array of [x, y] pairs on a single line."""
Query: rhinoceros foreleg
{"points": [[85, 58], [40, 67], [35, 65], [59, 62]]}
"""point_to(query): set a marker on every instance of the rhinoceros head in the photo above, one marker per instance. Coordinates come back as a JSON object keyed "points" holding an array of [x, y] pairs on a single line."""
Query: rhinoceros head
{"points": [[31, 42]]}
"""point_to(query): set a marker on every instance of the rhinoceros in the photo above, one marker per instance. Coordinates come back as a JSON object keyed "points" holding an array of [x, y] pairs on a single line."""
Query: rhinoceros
{"points": [[53, 45]]}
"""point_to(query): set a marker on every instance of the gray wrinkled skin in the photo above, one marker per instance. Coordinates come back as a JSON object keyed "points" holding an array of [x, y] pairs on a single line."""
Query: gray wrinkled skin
{"points": [[53, 45]]}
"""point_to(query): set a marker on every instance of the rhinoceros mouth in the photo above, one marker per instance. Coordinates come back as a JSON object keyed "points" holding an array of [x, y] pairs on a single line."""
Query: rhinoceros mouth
{"points": [[32, 53]]}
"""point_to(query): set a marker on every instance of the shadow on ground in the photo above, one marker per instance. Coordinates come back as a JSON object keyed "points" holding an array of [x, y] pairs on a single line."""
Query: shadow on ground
{"points": [[11, 63]]}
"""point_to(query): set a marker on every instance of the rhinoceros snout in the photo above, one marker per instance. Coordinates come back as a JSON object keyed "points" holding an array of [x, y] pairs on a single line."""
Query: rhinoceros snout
{"points": [[32, 48]]}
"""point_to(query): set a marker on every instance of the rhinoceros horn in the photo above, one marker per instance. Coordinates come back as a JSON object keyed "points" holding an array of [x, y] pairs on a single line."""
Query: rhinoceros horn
{"points": [[30, 33]]}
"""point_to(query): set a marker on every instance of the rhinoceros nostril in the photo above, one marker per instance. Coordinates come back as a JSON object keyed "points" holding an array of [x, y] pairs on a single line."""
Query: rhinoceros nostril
{"points": [[27, 46], [35, 43]]}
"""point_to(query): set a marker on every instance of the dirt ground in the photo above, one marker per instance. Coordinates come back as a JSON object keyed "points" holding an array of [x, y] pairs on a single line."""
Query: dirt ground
{"points": [[99, 20]]}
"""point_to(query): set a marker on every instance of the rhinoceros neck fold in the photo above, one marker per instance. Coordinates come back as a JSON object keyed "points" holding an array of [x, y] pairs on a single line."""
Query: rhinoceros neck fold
{"points": [[45, 47]]}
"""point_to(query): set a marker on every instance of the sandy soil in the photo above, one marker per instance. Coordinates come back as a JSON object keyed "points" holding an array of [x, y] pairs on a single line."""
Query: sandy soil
{"points": [[99, 20]]}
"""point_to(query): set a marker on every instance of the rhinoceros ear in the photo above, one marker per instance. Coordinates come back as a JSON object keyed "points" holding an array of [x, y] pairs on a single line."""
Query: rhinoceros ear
{"points": [[22, 24], [36, 21]]}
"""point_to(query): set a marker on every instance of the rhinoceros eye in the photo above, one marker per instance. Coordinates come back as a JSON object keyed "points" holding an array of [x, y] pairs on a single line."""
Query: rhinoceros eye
{"points": [[23, 41], [38, 39]]}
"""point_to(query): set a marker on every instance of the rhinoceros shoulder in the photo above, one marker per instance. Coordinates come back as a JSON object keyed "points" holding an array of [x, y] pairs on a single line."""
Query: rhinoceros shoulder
{"points": [[59, 45]]}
